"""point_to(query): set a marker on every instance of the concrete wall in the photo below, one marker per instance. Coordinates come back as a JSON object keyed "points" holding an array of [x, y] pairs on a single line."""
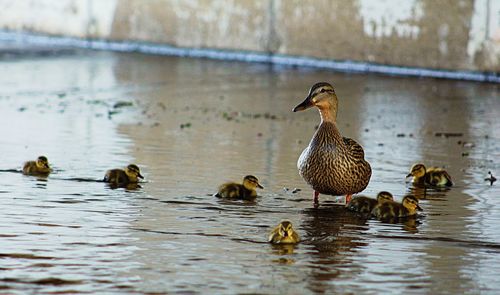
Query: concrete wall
{"points": [[440, 34]]}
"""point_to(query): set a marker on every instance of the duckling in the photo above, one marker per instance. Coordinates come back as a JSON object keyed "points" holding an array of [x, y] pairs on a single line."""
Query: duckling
{"points": [[431, 176], [245, 191], [38, 167], [365, 205], [331, 164], [131, 174], [391, 209], [284, 234]]}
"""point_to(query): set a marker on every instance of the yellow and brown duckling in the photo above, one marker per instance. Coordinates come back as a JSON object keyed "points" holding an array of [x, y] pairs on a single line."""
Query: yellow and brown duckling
{"points": [[245, 190], [365, 205], [38, 167], [130, 174], [391, 209], [331, 164], [284, 234], [431, 176]]}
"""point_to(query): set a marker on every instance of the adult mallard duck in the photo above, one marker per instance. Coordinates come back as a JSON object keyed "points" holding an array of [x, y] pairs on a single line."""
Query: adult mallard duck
{"points": [[38, 167], [391, 210], [123, 177], [365, 205], [284, 234], [431, 176], [331, 164], [245, 191]]}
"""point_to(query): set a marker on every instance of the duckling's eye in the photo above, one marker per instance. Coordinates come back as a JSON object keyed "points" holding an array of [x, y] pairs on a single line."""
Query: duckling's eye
{"points": [[322, 90]]}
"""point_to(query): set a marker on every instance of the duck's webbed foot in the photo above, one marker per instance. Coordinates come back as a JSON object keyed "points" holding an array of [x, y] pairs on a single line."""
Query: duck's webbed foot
{"points": [[315, 199], [348, 198]]}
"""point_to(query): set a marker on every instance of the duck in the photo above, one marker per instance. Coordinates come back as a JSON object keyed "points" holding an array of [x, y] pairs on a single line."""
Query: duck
{"points": [[284, 234], [390, 209], [365, 205], [331, 164], [129, 175], [431, 176], [244, 191], [38, 167]]}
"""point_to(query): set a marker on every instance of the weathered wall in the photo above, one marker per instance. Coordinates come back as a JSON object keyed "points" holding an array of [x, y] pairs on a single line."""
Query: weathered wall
{"points": [[441, 34]]}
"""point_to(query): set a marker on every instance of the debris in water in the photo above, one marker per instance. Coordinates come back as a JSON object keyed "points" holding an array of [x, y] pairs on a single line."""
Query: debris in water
{"points": [[448, 134], [400, 135], [186, 125], [296, 190], [491, 179], [162, 105], [466, 144], [122, 104]]}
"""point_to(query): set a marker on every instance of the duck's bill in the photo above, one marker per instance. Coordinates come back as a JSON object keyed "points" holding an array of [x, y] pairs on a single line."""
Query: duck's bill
{"points": [[409, 175], [140, 176], [307, 103], [260, 186], [419, 208]]}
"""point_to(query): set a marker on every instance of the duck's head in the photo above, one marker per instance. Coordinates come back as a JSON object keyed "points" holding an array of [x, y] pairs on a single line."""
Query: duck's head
{"points": [[133, 172], [411, 203], [417, 170], [321, 95], [251, 182], [285, 229], [384, 197], [42, 162]]}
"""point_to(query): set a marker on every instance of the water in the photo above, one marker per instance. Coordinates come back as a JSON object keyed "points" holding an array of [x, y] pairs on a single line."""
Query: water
{"points": [[64, 236]]}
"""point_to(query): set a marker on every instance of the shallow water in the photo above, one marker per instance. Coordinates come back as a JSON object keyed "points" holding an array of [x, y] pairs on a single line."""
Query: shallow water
{"points": [[62, 235]]}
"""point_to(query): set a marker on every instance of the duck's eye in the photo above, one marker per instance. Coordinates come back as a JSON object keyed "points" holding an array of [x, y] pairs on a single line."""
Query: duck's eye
{"points": [[322, 90]]}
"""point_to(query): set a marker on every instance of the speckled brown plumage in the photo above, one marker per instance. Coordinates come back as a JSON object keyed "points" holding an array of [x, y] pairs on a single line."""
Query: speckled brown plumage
{"points": [[333, 164]]}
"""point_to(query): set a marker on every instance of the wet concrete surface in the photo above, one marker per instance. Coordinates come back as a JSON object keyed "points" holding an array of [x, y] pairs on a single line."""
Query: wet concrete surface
{"points": [[192, 124]]}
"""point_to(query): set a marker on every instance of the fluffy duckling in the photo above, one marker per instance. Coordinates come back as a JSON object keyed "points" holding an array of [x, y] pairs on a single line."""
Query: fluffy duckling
{"points": [[38, 167], [284, 234], [246, 191], [131, 174], [431, 176], [365, 205], [391, 209], [331, 164]]}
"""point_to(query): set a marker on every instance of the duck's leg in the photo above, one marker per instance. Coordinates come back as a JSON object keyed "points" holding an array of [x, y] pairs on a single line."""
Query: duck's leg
{"points": [[348, 198], [315, 199]]}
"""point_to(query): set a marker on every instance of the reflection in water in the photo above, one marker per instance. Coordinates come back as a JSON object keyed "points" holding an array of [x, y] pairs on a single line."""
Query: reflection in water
{"points": [[193, 124], [334, 234]]}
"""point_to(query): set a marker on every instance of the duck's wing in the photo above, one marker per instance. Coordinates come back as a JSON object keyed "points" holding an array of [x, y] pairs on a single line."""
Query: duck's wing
{"points": [[449, 182], [273, 236], [354, 148]]}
